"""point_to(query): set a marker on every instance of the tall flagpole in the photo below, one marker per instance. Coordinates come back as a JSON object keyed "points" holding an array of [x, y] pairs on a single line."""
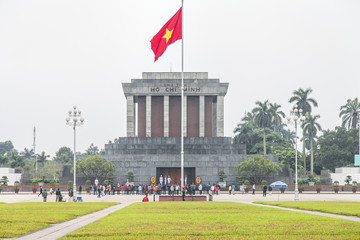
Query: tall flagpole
{"points": [[182, 94]]}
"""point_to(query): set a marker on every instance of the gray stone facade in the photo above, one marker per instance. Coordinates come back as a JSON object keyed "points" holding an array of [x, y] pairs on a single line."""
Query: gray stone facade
{"points": [[208, 156]]}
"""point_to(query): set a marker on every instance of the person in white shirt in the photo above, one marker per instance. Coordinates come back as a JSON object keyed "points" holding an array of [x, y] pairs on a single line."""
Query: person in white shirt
{"points": [[169, 180], [161, 180]]}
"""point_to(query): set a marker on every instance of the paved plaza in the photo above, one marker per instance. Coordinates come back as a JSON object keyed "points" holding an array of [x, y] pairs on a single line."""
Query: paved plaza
{"points": [[58, 230]]}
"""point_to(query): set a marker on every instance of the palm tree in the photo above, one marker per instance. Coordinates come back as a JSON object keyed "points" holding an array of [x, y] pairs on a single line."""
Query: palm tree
{"points": [[276, 116], [92, 150], [249, 117], [28, 154], [42, 158], [303, 101], [350, 113], [288, 135], [263, 118], [311, 127], [244, 133]]}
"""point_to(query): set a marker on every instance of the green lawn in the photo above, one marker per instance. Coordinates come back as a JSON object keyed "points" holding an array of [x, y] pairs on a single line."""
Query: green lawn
{"points": [[214, 220], [342, 208], [20, 218]]}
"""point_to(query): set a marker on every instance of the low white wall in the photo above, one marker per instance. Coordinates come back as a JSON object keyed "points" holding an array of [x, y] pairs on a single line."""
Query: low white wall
{"points": [[10, 173], [341, 174]]}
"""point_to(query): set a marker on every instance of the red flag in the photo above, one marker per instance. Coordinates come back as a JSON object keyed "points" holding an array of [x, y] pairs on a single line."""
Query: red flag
{"points": [[168, 34]]}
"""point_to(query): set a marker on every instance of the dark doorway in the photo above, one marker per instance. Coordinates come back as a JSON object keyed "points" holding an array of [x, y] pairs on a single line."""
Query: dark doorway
{"points": [[175, 175]]}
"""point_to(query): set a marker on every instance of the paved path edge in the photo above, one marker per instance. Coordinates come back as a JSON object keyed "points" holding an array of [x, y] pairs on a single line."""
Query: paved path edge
{"points": [[351, 218], [61, 229]]}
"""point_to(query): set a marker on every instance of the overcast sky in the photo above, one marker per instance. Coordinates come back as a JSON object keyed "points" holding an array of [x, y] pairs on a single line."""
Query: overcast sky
{"points": [[56, 54]]}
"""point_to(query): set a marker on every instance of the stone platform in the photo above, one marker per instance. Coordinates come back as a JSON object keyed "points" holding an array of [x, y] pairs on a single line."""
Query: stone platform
{"points": [[179, 198]]}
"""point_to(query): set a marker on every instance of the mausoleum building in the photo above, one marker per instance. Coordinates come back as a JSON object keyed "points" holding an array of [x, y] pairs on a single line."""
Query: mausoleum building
{"points": [[152, 145]]}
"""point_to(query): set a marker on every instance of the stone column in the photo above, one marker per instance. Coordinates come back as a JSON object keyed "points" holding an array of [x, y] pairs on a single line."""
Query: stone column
{"points": [[166, 116], [202, 116], [148, 116], [185, 116], [220, 116], [130, 116]]}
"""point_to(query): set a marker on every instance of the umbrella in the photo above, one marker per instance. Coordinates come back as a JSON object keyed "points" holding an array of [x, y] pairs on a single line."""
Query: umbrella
{"points": [[278, 184]]}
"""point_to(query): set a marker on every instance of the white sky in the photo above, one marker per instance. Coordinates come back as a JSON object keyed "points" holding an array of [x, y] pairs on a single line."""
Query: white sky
{"points": [[56, 54]]}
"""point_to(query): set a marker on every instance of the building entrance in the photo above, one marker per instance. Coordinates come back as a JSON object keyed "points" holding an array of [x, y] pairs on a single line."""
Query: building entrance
{"points": [[175, 175]]}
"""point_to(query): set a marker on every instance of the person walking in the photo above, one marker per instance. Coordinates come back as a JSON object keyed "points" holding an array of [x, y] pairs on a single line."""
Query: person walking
{"points": [[270, 190], [233, 189], [71, 195], [183, 194], [253, 188], [41, 191], [99, 192], [44, 195], [264, 190], [230, 189], [58, 194]]}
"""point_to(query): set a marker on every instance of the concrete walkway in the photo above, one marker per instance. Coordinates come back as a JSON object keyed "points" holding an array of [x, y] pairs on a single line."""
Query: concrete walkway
{"points": [[59, 230], [56, 231]]}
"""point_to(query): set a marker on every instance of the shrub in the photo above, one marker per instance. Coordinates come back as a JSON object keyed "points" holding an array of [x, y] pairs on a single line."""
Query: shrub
{"points": [[130, 176], [222, 176], [70, 184]]}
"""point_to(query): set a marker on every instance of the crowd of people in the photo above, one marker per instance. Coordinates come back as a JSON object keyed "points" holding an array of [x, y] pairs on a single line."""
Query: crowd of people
{"points": [[158, 189]]}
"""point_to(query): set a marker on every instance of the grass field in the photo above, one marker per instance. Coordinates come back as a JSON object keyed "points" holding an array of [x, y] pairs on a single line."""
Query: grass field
{"points": [[214, 220], [342, 208], [20, 218]]}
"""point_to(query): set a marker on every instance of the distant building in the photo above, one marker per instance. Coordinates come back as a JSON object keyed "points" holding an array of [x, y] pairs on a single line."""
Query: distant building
{"points": [[10, 173], [341, 174], [152, 145]]}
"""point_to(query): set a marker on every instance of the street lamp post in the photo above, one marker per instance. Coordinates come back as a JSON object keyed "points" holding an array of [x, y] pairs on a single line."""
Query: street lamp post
{"points": [[74, 120], [295, 115]]}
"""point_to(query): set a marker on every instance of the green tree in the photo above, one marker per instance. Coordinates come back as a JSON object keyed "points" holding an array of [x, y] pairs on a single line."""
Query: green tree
{"points": [[273, 139], [244, 134], [336, 148], [263, 118], [301, 98], [130, 176], [221, 175], [64, 155], [257, 168], [50, 170], [15, 159], [289, 136], [287, 156], [350, 113], [92, 150], [5, 147], [276, 116], [348, 180], [311, 127], [27, 154], [42, 158], [4, 180], [95, 167]]}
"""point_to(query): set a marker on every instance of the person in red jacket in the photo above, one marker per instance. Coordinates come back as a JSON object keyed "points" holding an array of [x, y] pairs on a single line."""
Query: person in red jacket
{"points": [[145, 199], [118, 188]]}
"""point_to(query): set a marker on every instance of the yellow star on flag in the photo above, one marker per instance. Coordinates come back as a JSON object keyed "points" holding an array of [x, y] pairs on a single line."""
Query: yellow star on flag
{"points": [[168, 34]]}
